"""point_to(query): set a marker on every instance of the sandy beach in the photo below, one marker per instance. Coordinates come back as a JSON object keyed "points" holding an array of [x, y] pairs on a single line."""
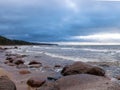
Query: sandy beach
{"points": [[20, 67]]}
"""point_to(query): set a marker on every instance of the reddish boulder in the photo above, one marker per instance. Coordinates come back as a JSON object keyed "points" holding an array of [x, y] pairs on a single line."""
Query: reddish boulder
{"points": [[35, 82], [24, 72], [82, 68]]}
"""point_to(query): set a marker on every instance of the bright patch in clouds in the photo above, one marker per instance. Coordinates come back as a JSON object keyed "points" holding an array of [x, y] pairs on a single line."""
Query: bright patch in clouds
{"points": [[101, 37], [72, 5]]}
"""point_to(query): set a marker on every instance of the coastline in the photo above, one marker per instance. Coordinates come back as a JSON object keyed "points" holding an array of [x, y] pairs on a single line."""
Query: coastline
{"points": [[49, 68]]}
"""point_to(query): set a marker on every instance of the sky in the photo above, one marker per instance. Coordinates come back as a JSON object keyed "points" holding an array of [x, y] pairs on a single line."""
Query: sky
{"points": [[61, 20]]}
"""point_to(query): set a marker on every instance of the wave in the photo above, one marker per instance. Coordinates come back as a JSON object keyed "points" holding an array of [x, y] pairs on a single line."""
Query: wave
{"points": [[70, 58]]}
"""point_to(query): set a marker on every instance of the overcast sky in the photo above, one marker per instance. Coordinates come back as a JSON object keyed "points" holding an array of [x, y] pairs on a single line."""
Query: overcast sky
{"points": [[61, 20]]}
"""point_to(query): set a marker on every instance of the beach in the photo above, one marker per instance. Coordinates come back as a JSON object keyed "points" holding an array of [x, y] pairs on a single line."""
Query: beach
{"points": [[47, 62]]}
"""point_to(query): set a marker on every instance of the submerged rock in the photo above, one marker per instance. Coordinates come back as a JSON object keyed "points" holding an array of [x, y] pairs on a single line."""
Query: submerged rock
{"points": [[82, 68]]}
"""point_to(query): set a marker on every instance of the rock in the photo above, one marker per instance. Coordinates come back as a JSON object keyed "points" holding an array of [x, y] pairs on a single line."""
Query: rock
{"points": [[57, 66], [34, 62], [10, 59], [6, 84], [53, 78], [6, 62], [24, 72], [118, 77], [21, 56], [21, 66], [35, 66], [81, 82], [82, 68], [9, 54], [15, 47], [35, 82], [49, 86], [18, 62]]}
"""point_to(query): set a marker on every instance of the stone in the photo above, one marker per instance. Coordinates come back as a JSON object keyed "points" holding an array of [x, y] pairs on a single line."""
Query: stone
{"points": [[10, 59], [24, 71], [117, 77], [18, 62], [6, 62], [81, 82], [57, 66], [15, 47], [35, 82], [82, 68], [34, 62], [6, 84]]}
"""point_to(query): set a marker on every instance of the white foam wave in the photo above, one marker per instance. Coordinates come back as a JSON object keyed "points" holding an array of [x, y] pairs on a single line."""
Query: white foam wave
{"points": [[70, 58]]}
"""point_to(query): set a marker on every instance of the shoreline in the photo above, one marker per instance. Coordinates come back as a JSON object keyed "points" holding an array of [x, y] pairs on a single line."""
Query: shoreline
{"points": [[20, 74]]}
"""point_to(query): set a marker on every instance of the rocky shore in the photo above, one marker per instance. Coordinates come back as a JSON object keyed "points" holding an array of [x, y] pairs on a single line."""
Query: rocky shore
{"points": [[17, 73]]}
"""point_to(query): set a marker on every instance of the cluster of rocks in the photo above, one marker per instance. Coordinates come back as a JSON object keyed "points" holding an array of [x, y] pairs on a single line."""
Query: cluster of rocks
{"points": [[78, 76], [17, 61], [6, 48]]}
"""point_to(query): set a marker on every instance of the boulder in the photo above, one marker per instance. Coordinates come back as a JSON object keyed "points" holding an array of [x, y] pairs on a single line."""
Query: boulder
{"points": [[35, 82], [81, 82], [34, 62], [82, 68], [10, 59], [18, 62], [24, 71], [6, 84]]}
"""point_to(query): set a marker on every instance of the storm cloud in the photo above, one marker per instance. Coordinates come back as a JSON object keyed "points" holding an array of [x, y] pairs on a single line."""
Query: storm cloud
{"points": [[58, 20]]}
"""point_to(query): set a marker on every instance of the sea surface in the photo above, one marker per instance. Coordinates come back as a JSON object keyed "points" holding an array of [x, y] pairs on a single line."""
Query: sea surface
{"points": [[86, 53], [98, 53]]}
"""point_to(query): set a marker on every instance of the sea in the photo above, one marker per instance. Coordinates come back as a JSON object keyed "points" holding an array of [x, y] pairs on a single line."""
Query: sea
{"points": [[109, 54], [85, 53]]}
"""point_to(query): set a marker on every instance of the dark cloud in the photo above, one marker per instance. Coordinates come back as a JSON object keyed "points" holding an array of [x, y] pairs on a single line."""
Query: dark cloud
{"points": [[57, 20]]}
